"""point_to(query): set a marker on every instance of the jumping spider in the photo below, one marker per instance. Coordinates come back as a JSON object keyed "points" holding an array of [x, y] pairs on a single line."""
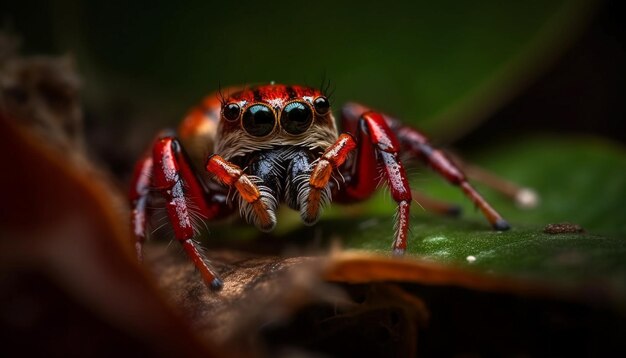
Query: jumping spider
{"points": [[274, 144]]}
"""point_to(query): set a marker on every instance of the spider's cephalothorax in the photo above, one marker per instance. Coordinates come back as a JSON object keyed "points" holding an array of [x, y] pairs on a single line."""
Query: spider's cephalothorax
{"points": [[276, 132], [273, 144]]}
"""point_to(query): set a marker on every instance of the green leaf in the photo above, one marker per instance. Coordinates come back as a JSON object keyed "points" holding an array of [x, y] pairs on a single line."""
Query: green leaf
{"points": [[580, 180]]}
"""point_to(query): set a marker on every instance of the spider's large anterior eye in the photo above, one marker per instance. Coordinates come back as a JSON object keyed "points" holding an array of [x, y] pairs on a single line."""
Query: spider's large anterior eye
{"points": [[231, 111], [258, 120], [321, 104], [296, 118]]}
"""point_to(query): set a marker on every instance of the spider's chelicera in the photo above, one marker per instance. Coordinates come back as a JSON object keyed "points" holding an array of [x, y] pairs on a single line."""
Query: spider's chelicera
{"points": [[275, 144]]}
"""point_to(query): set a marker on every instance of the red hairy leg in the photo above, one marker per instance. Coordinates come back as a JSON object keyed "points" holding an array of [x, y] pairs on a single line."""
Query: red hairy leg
{"points": [[418, 146], [368, 164], [377, 144], [524, 197], [169, 173]]}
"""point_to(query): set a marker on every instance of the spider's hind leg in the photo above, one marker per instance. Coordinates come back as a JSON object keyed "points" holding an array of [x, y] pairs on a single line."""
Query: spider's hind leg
{"points": [[524, 197], [436, 206], [416, 144]]}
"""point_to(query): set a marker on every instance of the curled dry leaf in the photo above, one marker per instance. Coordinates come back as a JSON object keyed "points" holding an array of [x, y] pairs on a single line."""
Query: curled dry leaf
{"points": [[68, 279], [273, 305], [257, 290]]}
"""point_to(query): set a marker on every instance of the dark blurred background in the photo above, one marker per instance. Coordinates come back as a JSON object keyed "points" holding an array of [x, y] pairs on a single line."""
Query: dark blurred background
{"points": [[581, 93], [467, 73]]}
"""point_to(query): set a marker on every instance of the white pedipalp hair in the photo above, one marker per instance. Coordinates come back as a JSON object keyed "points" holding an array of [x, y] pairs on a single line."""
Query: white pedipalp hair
{"points": [[304, 189], [269, 200]]}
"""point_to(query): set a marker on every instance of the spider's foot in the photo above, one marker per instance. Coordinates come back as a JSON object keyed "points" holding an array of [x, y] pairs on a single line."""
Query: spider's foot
{"points": [[216, 284], [398, 252], [501, 225]]}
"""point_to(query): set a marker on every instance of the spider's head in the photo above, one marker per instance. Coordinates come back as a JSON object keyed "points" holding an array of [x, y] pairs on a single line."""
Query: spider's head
{"points": [[270, 116]]}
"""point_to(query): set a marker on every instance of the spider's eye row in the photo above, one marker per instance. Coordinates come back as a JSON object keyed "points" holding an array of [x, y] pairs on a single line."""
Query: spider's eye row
{"points": [[296, 118], [231, 111], [258, 120], [322, 105]]}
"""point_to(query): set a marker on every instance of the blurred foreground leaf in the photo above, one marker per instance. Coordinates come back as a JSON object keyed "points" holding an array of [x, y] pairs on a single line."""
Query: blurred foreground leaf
{"points": [[69, 285]]}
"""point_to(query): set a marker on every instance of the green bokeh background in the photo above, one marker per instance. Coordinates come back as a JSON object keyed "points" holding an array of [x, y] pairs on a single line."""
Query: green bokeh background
{"points": [[433, 63]]}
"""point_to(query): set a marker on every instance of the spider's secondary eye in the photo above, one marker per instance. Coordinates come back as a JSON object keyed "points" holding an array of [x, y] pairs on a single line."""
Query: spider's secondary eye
{"points": [[258, 120], [231, 111], [322, 106], [296, 118]]}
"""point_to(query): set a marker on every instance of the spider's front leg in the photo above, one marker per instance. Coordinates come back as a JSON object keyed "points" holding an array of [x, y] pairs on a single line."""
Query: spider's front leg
{"points": [[377, 146], [167, 170]]}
